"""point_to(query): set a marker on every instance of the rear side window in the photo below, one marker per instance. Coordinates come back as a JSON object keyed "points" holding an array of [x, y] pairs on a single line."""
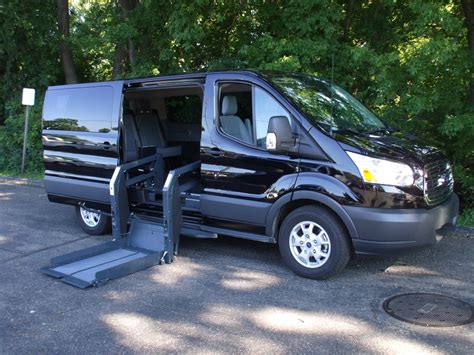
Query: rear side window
{"points": [[184, 109], [79, 109]]}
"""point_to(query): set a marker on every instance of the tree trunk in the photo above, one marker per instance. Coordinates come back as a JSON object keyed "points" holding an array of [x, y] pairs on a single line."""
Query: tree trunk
{"points": [[131, 53], [127, 6], [66, 53], [119, 61], [468, 10], [351, 4]]}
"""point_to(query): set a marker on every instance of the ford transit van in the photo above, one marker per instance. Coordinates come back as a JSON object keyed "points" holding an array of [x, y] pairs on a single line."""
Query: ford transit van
{"points": [[283, 158]]}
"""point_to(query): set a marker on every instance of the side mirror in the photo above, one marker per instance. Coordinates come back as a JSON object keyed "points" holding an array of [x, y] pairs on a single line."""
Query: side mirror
{"points": [[279, 135]]}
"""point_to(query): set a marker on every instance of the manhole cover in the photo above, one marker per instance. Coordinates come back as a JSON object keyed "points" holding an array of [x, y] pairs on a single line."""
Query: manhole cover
{"points": [[429, 310]]}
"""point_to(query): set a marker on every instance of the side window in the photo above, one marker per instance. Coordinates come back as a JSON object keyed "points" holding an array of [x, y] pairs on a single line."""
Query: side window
{"points": [[245, 111], [265, 108], [184, 109], [235, 111], [84, 109]]}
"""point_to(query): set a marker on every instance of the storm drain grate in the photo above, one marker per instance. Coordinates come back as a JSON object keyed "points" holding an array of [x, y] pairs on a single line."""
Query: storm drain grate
{"points": [[429, 309]]}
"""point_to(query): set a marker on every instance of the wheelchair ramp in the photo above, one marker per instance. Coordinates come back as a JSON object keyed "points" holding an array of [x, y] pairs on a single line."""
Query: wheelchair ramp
{"points": [[139, 241], [144, 247]]}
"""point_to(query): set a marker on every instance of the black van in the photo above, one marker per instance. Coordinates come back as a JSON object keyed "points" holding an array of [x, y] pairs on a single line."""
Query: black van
{"points": [[284, 158]]}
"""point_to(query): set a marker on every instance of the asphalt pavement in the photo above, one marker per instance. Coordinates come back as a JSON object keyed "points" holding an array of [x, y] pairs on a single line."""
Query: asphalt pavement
{"points": [[221, 295]]}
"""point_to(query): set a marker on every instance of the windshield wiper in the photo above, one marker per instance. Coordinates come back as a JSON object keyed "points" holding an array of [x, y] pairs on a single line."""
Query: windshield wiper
{"points": [[335, 130], [382, 130]]}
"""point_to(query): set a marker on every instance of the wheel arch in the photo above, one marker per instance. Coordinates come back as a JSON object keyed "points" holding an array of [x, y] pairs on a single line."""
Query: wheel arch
{"points": [[288, 203]]}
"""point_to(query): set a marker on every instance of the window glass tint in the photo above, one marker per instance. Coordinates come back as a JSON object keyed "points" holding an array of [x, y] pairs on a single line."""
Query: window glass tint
{"points": [[235, 111], [328, 105], [265, 108], [244, 103], [85, 109], [184, 109]]}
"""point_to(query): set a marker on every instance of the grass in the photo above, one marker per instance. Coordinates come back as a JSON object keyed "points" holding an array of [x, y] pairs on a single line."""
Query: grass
{"points": [[34, 175], [466, 218]]}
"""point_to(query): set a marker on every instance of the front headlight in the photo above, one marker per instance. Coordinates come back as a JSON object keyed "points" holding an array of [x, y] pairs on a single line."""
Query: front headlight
{"points": [[381, 171]]}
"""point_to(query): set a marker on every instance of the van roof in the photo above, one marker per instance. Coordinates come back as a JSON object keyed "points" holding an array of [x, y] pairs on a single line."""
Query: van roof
{"points": [[197, 76]]}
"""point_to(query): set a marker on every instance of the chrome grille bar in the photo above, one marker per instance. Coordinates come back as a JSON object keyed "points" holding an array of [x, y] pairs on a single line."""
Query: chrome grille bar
{"points": [[439, 182]]}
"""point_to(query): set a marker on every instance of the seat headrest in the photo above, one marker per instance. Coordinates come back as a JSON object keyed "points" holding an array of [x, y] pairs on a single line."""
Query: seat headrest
{"points": [[148, 114], [229, 105]]}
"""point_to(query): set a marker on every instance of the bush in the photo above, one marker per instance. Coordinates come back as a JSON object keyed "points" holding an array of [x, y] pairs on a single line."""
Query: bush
{"points": [[466, 218], [457, 134], [11, 140]]}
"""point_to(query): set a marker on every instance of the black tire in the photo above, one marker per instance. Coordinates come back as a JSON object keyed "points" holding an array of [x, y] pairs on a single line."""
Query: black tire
{"points": [[103, 225], [340, 252]]}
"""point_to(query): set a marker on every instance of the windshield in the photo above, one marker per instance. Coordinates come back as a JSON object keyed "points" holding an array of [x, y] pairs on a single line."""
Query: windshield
{"points": [[333, 111]]}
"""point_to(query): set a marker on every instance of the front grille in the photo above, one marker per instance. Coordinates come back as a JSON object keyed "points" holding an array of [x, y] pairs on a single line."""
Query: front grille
{"points": [[439, 181]]}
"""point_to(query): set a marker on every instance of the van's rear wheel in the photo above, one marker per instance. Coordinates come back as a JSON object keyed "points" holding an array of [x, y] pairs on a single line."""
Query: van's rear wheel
{"points": [[314, 243], [92, 222]]}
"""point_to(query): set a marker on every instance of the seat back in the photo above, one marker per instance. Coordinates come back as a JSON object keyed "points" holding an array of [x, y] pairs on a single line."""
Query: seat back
{"points": [[232, 124], [130, 138], [149, 129]]}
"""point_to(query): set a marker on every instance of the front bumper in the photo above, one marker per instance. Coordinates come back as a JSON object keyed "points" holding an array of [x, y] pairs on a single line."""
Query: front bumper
{"points": [[387, 231]]}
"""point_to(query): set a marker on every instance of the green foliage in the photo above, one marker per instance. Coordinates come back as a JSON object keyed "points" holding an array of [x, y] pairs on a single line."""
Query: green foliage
{"points": [[466, 218], [406, 60], [11, 140], [28, 58], [28, 49]]}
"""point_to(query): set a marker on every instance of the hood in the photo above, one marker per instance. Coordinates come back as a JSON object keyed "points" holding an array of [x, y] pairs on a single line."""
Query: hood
{"points": [[391, 145]]}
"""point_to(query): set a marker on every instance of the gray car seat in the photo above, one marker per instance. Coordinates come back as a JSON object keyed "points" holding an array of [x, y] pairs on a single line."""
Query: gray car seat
{"points": [[149, 129], [130, 137], [232, 124]]}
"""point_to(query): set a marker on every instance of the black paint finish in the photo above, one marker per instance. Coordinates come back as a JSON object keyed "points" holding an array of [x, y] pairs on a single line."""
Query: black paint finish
{"points": [[236, 173], [246, 188], [394, 146], [80, 162]]}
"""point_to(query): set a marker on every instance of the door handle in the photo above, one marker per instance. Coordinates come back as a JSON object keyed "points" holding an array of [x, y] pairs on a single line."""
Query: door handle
{"points": [[216, 152], [106, 145]]}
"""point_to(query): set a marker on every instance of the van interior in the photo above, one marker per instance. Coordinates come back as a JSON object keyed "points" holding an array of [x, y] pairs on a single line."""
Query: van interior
{"points": [[167, 117], [164, 118], [160, 118], [166, 121]]}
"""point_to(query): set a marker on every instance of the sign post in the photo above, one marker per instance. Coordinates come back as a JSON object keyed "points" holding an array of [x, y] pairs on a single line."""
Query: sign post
{"points": [[27, 99]]}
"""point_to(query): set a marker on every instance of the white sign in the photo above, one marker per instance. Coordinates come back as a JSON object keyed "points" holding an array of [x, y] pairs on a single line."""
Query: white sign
{"points": [[28, 97]]}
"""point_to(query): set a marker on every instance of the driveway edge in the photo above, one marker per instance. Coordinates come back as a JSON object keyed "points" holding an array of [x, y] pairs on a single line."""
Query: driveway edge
{"points": [[23, 181]]}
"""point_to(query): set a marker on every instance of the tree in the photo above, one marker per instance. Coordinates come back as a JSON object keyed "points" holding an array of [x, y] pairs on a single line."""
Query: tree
{"points": [[125, 48], [28, 50], [468, 10], [411, 62], [70, 75], [127, 6]]}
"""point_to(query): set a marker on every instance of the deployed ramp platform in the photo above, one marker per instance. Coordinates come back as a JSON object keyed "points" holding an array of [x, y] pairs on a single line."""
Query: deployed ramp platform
{"points": [[138, 242]]}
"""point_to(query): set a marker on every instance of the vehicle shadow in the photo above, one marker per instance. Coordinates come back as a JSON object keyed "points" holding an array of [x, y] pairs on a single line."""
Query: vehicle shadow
{"points": [[236, 296]]}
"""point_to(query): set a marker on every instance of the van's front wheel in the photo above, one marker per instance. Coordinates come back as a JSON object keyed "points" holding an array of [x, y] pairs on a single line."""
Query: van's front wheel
{"points": [[314, 243], [92, 222]]}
